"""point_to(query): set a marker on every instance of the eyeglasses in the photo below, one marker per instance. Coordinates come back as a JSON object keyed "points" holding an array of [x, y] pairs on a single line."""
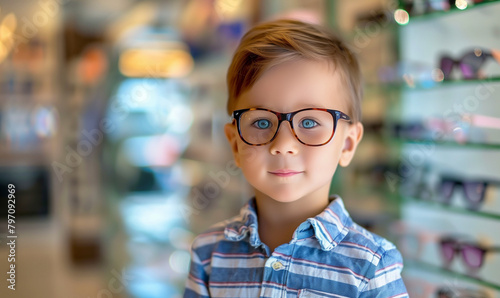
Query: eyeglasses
{"points": [[469, 64], [445, 292], [311, 127], [418, 287], [474, 190], [413, 130], [472, 253], [418, 7]]}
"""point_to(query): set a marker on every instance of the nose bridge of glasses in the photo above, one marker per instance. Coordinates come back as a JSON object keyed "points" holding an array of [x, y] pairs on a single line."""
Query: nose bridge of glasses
{"points": [[280, 136], [284, 116], [280, 125]]}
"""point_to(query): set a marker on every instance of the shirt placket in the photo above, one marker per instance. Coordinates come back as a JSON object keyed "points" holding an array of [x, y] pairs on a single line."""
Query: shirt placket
{"points": [[276, 272]]}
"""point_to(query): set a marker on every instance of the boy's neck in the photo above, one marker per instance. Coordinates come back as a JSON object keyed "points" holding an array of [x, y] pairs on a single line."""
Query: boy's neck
{"points": [[278, 221]]}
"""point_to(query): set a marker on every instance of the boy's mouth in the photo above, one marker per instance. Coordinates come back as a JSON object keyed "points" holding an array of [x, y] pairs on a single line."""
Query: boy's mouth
{"points": [[285, 173]]}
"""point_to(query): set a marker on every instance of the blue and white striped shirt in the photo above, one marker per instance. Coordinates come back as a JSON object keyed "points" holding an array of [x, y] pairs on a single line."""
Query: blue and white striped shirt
{"points": [[328, 256]]}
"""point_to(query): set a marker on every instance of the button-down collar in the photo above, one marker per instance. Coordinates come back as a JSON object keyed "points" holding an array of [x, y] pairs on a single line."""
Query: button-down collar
{"points": [[329, 227]]}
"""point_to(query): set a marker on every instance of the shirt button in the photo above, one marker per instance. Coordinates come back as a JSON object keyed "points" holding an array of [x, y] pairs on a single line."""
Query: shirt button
{"points": [[277, 265]]}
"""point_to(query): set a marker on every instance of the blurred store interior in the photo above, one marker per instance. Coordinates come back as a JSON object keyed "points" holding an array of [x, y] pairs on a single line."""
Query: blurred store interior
{"points": [[111, 130]]}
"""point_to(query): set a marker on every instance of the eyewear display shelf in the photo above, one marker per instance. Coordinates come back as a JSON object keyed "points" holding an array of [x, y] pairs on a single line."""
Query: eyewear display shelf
{"points": [[462, 141]]}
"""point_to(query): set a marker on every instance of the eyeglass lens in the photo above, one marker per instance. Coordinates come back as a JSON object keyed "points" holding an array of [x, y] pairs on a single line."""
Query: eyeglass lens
{"points": [[311, 127]]}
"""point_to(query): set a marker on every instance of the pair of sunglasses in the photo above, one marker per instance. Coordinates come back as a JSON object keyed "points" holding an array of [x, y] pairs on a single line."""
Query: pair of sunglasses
{"points": [[473, 254], [473, 190], [412, 130], [469, 64], [445, 292], [418, 7]]}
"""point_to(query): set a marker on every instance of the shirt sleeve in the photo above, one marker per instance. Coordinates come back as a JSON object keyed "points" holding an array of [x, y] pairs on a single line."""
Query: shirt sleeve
{"points": [[197, 280], [386, 279]]}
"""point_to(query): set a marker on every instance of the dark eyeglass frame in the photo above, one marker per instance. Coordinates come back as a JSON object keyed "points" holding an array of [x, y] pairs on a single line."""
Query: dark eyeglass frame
{"points": [[337, 115]]}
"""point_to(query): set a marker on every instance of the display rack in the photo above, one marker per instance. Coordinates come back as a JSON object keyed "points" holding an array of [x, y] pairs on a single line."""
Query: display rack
{"points": [[451, 274], [422, 40], [437, 13]]}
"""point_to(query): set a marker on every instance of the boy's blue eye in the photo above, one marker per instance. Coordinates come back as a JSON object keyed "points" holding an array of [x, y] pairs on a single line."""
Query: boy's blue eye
{"points": [[262, 123], [308, 123]]}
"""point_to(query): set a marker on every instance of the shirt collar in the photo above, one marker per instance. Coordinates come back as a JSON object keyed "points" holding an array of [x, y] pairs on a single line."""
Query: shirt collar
{"points": [[243, 224], [329, 227]]}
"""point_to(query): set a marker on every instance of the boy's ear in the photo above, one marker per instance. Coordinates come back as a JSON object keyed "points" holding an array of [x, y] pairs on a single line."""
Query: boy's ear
{"points": [[232, 137], [352, 139]]}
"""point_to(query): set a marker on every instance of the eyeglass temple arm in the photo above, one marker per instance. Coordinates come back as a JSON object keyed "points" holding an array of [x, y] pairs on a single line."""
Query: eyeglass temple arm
{"points": [[345, 117], [232, 117]]}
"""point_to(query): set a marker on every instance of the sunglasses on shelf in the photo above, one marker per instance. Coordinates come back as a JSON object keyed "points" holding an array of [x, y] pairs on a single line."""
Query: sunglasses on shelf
{"points": [[418, 7], [473, 190], [411, 130], [472, 254], [419, 288], [445, 292], [469, 64], [431, 129]]}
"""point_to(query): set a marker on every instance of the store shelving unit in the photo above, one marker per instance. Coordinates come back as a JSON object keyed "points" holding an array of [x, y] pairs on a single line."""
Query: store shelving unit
{"points": [[449, 144], [453, 275], [432, 15], [422, 41], [450, 209]]}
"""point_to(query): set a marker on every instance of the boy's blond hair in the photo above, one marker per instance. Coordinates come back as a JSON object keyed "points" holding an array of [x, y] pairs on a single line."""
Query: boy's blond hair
{"points": [[272, 43]]}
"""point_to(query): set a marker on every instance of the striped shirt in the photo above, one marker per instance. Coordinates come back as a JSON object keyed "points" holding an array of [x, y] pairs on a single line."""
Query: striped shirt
{"points": [[328, 256]]}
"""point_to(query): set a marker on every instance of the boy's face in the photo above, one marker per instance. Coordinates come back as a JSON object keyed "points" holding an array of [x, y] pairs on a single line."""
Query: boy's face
{"points": [[286, 88]]}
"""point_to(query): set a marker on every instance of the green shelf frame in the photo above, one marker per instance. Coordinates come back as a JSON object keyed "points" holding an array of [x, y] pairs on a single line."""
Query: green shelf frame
{"points": [[443, 84], [450, 273], [452, 83], [443, 207], [396, 141], [401, 87]]}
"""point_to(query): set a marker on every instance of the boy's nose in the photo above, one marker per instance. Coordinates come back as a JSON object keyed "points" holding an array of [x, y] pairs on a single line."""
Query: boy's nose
{"points": [[285, 141]]}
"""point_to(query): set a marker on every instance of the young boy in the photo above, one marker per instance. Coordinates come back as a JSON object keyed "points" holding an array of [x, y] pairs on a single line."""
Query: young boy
{"points": [[294, 94]]}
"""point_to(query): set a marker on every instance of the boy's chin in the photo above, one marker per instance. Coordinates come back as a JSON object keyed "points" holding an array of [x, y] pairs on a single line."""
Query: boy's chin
{"points": [[282, 196]]}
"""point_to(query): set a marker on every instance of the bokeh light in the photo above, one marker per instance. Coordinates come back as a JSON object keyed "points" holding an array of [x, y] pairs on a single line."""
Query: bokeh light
{"points": [[461, 4], [401, 16]]}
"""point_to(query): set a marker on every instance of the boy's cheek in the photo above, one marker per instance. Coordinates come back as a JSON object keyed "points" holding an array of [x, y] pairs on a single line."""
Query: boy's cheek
{"points": [[326, 162], [246, 154]]}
